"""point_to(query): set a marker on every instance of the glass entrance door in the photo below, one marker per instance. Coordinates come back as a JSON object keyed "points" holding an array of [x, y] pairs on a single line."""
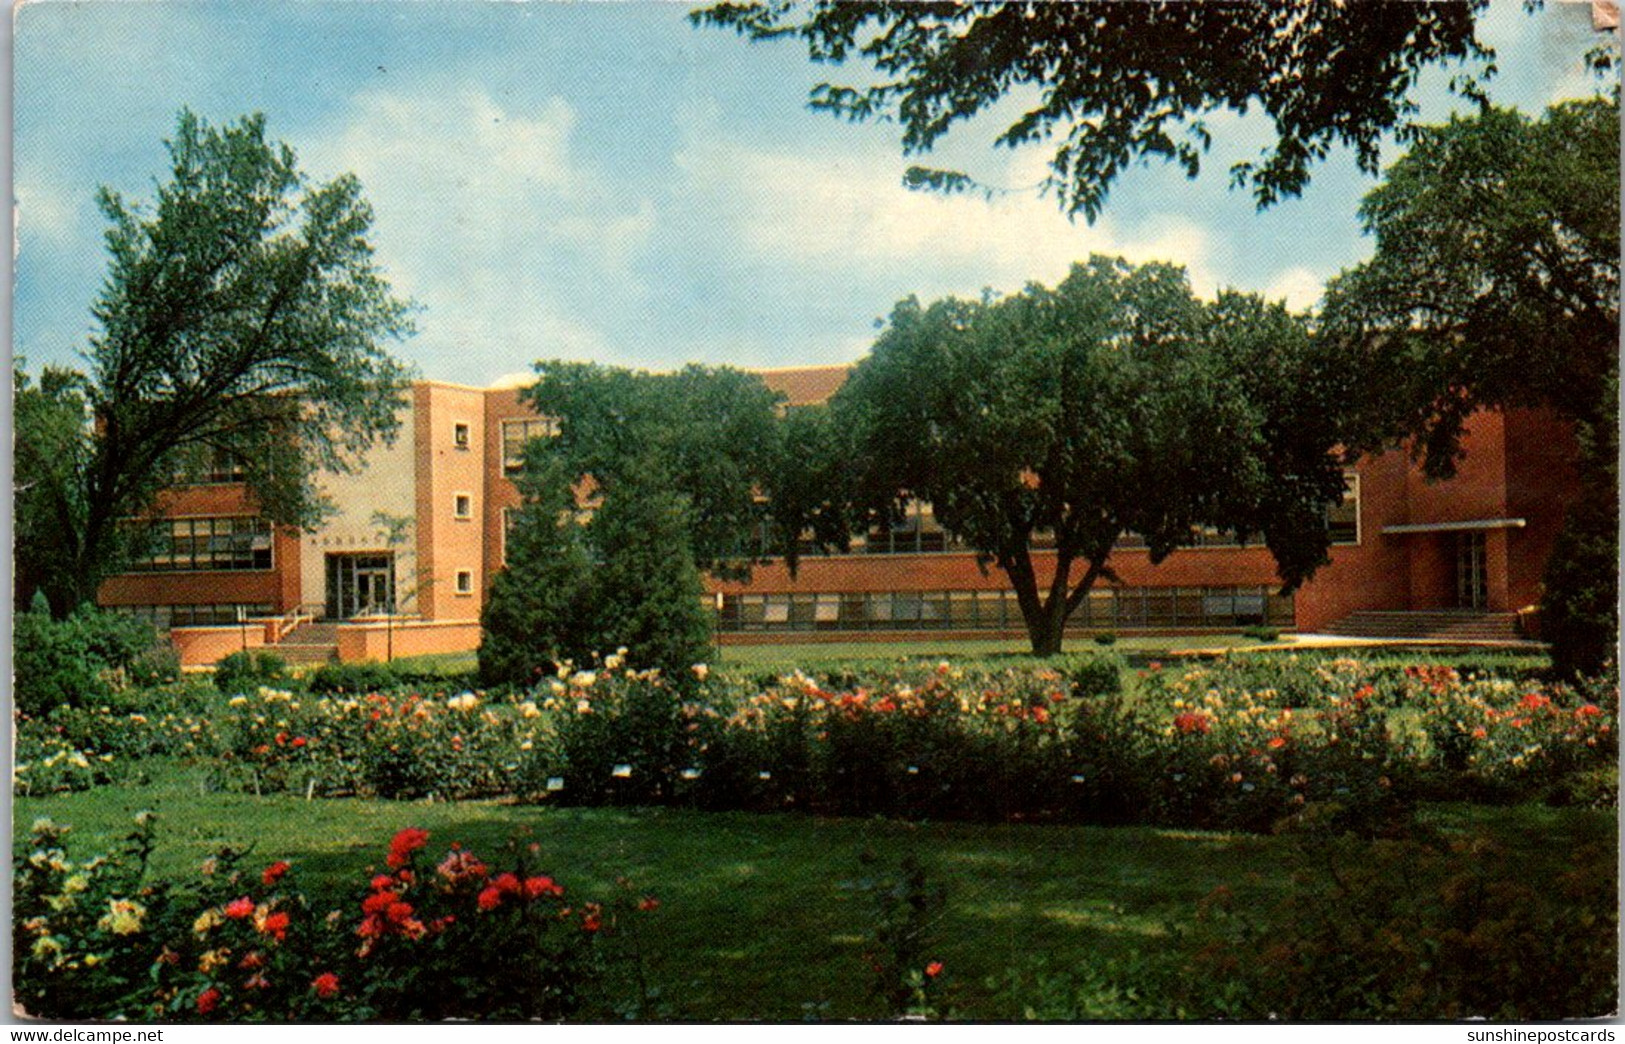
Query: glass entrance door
{"points": [[359, 584], [1470, 579]]}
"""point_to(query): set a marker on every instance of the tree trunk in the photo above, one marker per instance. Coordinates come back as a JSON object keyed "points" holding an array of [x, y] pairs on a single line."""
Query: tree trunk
{"points": [[1045, 632]]}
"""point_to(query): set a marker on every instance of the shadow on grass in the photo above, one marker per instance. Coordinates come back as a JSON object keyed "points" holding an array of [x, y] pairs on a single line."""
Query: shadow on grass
{"points": [[754, 921]]}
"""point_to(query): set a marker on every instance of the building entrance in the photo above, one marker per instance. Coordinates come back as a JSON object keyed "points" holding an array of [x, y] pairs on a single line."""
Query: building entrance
{"points": [[360, 585], [1470, 579]]}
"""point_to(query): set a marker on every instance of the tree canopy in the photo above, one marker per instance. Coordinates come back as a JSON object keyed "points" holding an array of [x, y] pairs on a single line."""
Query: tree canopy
{"points": [[712, 435], [649, 478], [1118, 81], [242, 317], [1114, 403], [1495, 283], [1495, 279]]}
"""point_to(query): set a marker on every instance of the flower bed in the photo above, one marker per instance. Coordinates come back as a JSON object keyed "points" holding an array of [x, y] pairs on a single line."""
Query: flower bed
{"points": [[1232, 744]]}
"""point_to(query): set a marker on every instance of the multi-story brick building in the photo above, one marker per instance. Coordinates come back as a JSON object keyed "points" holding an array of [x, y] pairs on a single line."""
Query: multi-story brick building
{"points": [[421, 531]]}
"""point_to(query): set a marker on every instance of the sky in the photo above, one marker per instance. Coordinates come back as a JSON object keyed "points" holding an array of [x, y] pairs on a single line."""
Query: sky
{"points": [[602, 181]]}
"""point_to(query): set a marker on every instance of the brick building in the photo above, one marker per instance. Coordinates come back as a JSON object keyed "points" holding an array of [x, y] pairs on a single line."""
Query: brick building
{"points": [[421, 531]]}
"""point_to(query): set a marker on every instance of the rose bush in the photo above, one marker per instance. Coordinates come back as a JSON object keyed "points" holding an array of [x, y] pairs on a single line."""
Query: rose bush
{"points": [[427, 938], [1232, 744]]}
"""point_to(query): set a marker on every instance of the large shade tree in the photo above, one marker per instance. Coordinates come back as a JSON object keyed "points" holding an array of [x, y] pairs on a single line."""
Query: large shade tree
{"points": [[1107, 83], [242, 317], [1494, 284], [1114, 403]]}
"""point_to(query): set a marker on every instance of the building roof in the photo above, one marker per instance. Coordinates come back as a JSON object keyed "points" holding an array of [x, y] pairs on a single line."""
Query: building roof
{"points": [[806, 385]]}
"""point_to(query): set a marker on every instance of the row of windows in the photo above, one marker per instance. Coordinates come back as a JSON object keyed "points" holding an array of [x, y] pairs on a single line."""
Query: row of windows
{"points": [[1104, 609], [919, 533], [163, 617], [190, 544]]}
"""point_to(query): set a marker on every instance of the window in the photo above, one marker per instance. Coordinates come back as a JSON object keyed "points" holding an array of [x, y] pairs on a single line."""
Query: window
{"points": [[193, 544], [516, 434], [509, 517], [460, 435], [213, 466], [465, 581], [462, 505], [1343, 520]]}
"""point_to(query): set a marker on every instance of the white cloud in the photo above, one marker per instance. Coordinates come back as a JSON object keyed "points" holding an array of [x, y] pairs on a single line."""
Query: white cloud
{"points": [[854, 215], [487, 216], [52, 215], [1300, 288]]}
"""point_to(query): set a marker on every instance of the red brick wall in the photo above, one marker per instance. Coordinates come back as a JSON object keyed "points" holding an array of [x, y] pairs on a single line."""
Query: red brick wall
{"points": [[279, 586], [1542, 483]]}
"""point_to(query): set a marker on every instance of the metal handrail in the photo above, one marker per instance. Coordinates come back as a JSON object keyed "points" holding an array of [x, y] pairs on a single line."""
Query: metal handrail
{"points": [[299, 614]]}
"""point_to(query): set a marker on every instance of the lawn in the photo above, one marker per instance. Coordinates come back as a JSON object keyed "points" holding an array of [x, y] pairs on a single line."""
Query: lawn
{"points": [[787, 656], [754, 922]]}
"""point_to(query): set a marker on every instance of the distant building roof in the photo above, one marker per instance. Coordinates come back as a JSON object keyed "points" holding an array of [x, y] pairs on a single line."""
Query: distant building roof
{"points": [[806, 385]]}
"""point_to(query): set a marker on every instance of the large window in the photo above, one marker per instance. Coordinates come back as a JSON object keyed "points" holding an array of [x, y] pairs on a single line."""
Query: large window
{"points": [[211, 466], [192, 544], [516, 434], [1343, 520], [1133, 608], [917, 532]]}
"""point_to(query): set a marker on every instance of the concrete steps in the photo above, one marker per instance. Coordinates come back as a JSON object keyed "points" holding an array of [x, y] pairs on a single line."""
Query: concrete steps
{"points": [[1445, 625], [309, 643]]}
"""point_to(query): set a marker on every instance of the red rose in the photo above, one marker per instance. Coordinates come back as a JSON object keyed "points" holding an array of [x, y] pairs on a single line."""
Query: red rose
{"points": [[404, 844], [933, 969], [274, 872], [276, 925], [399, 913], [536, 887], [490, 899], [239, 908], [326, 985], [648, 903], [377, 902], [382, 882], [208, 1000], [299, 741], [507, 884]]}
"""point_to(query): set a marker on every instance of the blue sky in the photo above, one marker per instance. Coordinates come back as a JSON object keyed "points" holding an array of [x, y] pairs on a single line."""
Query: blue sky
{"points": [[602, 181]]}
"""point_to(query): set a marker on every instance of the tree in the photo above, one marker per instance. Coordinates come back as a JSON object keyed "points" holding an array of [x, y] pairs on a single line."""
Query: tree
{"points": [[542, 609], [1117, 82], [396, 531], [242, 315], [1495, 284], [678, 472], [650, 596], [711, 434], [1115, 402]]}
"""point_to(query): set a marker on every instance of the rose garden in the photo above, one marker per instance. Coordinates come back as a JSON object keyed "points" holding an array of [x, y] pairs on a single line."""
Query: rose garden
{"points": [[1262, 834]]}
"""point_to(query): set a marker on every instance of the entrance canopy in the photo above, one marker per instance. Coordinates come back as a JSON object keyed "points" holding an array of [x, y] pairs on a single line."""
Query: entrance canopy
{"points": [[1455, 527]]}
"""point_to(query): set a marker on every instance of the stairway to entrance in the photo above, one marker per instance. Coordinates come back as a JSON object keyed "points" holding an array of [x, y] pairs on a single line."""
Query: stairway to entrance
{"points": [[1443, 625], [310, 642]]}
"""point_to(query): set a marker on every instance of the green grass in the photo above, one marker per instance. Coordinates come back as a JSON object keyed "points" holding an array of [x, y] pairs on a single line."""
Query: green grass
{"points": [[785, 656], [438, 663], [754, 923]]}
